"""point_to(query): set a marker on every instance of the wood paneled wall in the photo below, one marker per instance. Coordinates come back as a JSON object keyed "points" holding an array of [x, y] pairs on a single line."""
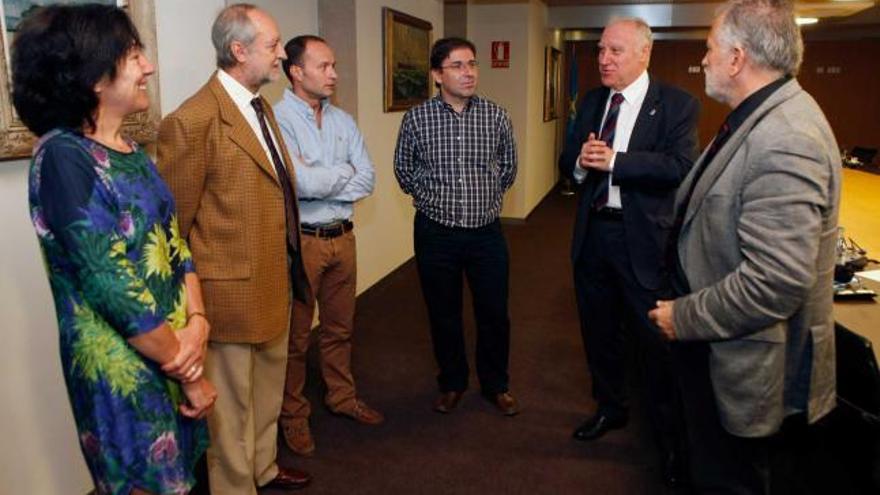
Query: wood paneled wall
{"points": [[843, 76], [849, 95]]}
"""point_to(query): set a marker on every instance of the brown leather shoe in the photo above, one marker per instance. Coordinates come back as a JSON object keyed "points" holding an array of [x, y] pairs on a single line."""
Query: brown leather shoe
{"points": [[289, 479], [447, 401], [505, 402], [364, 414], [298, 437]]}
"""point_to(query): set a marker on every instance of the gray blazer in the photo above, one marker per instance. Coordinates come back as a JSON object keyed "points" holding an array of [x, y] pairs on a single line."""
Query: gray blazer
{"points": [[758, 248]]}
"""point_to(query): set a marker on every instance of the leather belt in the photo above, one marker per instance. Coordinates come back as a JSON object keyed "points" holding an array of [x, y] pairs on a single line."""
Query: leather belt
{"points": [[327, 230], [609, 214]]}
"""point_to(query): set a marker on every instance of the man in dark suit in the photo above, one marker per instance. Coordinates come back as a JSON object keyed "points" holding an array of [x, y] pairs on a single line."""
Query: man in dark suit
{"points": [[634, 141]]}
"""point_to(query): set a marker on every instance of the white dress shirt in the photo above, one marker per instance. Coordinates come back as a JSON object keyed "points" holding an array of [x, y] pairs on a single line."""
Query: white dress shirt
{"points": [[242, 97], [633, 97]]}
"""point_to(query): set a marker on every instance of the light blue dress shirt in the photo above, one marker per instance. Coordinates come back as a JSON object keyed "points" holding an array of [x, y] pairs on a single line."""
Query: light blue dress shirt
{"points": [[333, 169]]}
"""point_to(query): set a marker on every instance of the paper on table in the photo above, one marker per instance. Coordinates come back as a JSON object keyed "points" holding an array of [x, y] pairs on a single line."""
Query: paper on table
{"points": [[870, 275]]}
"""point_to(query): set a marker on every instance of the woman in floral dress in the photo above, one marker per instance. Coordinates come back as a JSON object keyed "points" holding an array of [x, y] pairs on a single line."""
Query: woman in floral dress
{"points": [[130, 315]]}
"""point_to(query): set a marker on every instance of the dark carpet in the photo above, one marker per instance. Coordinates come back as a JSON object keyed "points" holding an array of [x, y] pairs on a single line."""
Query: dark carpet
{"points": [[475, 449]]}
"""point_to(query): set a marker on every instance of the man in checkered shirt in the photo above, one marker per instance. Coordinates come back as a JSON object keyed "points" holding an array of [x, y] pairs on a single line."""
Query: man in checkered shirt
{"points": [[456, 156]]}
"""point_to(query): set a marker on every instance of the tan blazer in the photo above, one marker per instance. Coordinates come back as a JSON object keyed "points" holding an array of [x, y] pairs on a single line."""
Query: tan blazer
{"points": [[231, 211]]}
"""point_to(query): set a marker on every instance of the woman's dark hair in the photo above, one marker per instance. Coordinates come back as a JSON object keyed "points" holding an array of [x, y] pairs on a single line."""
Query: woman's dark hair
{"points": [[444, 46], [60, 52]]}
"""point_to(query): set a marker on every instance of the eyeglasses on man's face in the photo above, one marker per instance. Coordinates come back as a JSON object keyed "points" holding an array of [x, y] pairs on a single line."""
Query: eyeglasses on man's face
{"points": [[459, 65]]}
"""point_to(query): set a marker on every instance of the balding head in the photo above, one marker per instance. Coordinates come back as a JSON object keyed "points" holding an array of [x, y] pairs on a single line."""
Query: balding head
{"points": [[624, 51]]}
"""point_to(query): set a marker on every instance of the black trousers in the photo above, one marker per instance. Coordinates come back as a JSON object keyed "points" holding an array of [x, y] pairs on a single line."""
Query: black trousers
{"points": [[788, 462], [719, 462], [443, 255], [612, 304]]}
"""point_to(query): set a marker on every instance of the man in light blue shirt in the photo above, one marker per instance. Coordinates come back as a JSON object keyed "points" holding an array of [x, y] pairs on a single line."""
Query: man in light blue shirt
{"points": [[333, 171]]}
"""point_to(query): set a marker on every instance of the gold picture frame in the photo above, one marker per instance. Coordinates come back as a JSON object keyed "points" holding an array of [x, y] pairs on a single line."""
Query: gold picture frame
{"points": [[407, 47], [16, 141], [552, 80]]}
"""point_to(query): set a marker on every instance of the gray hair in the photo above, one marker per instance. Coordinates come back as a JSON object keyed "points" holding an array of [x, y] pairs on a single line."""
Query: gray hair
{"points": [[232, 24], [766, 30], [641, 26]]}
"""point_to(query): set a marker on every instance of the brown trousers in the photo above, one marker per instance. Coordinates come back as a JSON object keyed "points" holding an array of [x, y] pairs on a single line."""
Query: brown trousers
{"points": [[331, 266]]}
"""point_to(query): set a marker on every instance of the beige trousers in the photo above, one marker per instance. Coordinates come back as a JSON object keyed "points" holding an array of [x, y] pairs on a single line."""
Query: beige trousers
{"points": [[244, 424]]}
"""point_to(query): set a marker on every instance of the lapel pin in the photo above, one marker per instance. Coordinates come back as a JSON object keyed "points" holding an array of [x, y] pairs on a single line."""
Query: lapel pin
{"points": [[652, 112]]}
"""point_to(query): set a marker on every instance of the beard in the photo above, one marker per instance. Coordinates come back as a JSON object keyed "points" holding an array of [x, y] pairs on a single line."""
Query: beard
{"points": [[715, 89], [263, 76]]}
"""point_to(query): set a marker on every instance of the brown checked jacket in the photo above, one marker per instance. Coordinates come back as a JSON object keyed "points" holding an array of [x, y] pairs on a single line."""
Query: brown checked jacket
{"points": [[231, 211]]}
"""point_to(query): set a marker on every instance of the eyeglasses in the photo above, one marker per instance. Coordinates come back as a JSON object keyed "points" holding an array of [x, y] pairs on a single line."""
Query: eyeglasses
{"points": [[459, 66]]}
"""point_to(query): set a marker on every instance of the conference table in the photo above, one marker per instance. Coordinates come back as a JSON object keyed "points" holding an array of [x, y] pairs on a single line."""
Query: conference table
{"points": [[858, 352], [852, 443]]}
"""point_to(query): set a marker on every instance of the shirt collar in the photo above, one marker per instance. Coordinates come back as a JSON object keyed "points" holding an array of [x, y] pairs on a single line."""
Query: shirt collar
{"points": [[302, 105], [752, 102], [239, 94], [438, 98], [637, 89]]}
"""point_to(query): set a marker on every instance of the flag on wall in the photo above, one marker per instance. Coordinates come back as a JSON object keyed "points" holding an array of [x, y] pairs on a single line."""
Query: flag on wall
{"points": [[572, 92]]}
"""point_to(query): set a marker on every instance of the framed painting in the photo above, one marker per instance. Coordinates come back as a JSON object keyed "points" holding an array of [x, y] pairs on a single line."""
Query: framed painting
{"points": [[552, 77], [15, 140], [407, 47]]}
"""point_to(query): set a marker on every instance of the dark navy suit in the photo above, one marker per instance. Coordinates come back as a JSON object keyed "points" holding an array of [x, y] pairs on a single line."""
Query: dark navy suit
{"points": [[620, 265]]}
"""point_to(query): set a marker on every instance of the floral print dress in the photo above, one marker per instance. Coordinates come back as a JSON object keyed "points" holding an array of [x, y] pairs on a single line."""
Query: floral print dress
{"points": [[116, 263]]}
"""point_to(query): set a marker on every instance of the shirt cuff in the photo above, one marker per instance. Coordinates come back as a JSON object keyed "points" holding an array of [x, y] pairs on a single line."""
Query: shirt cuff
{"points": [[579, 173]]}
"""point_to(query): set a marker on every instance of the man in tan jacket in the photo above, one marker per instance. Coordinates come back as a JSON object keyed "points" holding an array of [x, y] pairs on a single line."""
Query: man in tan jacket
{"points": [[223, 157]]}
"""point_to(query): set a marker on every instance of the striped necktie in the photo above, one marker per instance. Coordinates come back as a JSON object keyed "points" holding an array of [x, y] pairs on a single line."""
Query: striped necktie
{"points": [[600, 194]]}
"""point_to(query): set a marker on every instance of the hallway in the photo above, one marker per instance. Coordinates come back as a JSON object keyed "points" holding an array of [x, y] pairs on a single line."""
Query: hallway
{"points": [[475, 449]]}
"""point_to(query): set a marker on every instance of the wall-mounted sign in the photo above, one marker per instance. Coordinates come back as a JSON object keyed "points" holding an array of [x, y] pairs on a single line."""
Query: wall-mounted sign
{"points": [[500, 54]]}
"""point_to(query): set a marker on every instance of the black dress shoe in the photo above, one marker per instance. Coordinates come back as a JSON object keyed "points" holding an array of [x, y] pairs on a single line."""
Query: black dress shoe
{"points": [[597, 426], [673, 471], [289, 479]]}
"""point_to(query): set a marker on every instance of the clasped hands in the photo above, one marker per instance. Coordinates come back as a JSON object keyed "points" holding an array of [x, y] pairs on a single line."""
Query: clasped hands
{"points": [[595, 154], [188, 365]]}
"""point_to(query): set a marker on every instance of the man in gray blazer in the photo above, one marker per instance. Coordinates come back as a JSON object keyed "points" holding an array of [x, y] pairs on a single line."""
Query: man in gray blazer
{"points": [[757, 227]]}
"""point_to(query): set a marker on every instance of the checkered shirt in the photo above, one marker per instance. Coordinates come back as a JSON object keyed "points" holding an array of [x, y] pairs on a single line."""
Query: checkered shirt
{"points": [[456, 166]]}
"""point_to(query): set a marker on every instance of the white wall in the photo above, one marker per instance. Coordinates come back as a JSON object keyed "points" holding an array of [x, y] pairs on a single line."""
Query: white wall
{"points": [[40, 453], [384, 220], [188, 60], [294, 17], [519, 89], [186, 55], [540, 160], [488, 22]]}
